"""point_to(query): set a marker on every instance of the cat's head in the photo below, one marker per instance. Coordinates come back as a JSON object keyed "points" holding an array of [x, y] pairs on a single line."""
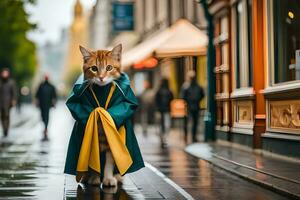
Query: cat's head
{"points": [[101, 67]]}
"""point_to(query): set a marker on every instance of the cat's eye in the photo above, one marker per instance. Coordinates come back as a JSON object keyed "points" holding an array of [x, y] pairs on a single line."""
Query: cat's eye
{"points": [[109, 68], [94, 68]]}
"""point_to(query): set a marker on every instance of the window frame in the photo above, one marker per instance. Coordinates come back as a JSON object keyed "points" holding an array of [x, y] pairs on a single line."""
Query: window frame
{"points": [[271, 51], [243, 70]]}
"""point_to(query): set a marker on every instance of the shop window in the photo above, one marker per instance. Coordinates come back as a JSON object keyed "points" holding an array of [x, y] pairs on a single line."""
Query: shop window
{"points": [[243, 43], [223, 45], [223, 37], [286, 22]]}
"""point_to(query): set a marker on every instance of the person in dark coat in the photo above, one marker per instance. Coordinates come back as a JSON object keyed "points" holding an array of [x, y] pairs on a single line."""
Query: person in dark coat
{"points": [[8, 95], [45, 99], [147, 106], [193, 93], [163, 98]]}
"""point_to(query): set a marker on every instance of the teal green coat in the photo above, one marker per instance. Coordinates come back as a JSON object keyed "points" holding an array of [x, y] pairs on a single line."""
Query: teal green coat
{"points": [[121, 108]]}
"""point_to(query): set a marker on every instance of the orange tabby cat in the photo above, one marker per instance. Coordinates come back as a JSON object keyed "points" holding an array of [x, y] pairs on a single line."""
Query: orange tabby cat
{"points": [[102, 96], [101, 67]]}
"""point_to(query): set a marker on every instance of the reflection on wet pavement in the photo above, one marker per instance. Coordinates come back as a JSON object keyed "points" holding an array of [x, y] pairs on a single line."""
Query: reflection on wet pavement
{"points": [[198, 177], [82, 192], [144, 184], [95, 193], [30, 169]]}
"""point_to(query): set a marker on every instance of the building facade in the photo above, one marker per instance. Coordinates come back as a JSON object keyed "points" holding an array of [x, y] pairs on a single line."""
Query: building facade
{"points": [[131, 22], [257, 45], [152, 17], [78, 35], [99, 25]]}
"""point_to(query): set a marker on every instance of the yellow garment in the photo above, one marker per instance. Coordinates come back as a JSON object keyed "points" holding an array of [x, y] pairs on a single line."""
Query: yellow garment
{"points": [[90, 151]]}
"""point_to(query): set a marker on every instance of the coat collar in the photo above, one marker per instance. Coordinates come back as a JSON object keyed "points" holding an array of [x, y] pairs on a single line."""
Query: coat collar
{"points": [[81, 85]]}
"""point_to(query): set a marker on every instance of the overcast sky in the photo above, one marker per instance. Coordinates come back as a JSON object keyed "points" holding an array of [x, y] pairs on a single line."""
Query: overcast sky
{"points": [[51, 16]]}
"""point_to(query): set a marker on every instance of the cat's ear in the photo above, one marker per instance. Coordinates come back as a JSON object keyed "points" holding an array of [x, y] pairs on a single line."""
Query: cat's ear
{"points": [[116, 52], [85, 53]]}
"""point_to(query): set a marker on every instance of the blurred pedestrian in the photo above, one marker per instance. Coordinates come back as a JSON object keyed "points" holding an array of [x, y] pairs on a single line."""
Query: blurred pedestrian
{"points": [[147, 106], [8, 95], [163, 98], [192, 93], [45, 99]]}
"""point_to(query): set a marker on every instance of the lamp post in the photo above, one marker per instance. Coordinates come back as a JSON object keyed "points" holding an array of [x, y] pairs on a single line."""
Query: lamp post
{"points": [[210, 118]]}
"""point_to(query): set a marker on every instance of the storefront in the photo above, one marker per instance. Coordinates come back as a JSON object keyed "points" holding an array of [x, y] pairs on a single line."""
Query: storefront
{"points": [[282, 91], [257, 73], [178, 49]]}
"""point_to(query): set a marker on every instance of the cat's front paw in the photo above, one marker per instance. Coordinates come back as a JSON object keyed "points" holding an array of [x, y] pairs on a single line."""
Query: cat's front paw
{"points": [[110, 181], [94, 180]]}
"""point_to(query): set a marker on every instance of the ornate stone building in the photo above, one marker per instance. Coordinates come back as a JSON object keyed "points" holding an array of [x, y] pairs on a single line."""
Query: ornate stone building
{"points": [[78, 33], [257, 47]]}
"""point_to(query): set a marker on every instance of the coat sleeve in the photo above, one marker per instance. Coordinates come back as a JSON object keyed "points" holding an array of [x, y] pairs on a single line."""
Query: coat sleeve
{"points": [[123, 106], [79, 110]]}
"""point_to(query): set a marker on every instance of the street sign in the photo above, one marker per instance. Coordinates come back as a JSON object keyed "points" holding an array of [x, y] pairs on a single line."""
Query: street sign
{"points": [[123, 16]]}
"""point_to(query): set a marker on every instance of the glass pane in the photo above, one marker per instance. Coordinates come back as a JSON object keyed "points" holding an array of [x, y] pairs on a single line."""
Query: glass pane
{"points": [[239, 44], [286, 40], [249, 17], [243, 43]]}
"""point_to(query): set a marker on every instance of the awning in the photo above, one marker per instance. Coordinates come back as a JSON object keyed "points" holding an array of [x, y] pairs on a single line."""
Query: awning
{"points": [[185, 40], [144, 49], [181, 39]]}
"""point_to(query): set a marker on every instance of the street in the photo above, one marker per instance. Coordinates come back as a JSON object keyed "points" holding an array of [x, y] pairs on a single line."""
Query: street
{"points": [[187, 99], [31, 169]]}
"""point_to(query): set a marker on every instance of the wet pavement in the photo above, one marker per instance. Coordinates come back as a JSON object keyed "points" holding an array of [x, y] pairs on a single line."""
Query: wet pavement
{"points": [[30, 169], [144, 184], [279, 174], [198, 177]]}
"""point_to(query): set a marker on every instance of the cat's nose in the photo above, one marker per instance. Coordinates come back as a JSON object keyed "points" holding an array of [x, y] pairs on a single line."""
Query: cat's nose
{"points": [[101, 78]]}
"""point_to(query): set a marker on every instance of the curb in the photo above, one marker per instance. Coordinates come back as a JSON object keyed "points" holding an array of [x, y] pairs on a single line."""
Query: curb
{"points": [[169, 181], [264, 184]]}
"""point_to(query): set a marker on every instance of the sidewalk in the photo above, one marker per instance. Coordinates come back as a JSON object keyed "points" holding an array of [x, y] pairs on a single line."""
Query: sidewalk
{"points": [[31, 169], [26, 118], [144, 184], [280, 175], [18, 118], [197, 177]]}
